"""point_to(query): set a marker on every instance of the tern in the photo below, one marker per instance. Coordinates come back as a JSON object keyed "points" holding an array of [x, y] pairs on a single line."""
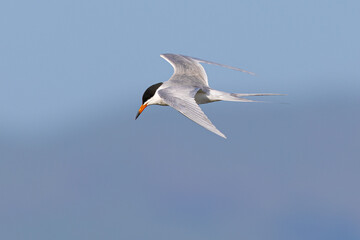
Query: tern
{"points": [[188, 87]]}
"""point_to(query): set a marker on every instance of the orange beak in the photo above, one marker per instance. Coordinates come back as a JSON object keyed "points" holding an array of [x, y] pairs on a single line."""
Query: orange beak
{"points": [[143, 106]]}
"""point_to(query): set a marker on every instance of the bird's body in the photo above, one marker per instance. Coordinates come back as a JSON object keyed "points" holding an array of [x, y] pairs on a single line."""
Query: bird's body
{"points": [[188, 87]]}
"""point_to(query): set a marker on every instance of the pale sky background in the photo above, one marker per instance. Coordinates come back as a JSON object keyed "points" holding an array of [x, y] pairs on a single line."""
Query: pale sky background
{"points": [[74, 164]]}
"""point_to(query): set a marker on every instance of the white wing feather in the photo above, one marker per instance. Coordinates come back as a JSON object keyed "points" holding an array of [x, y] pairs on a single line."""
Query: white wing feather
{"points": [[187, 71], [181, 63], [221, 65], [182, 99]]}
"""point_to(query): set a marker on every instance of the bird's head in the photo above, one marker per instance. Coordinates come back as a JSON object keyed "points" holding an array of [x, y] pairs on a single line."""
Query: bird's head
{"points": [[147, 97]]}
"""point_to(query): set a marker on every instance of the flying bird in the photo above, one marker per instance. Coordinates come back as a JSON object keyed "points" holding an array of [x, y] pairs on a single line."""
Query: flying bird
{"points": [[188, 87]]}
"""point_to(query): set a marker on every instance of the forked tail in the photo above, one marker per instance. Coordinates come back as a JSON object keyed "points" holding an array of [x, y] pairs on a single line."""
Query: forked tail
{"points": [[238, 97]]}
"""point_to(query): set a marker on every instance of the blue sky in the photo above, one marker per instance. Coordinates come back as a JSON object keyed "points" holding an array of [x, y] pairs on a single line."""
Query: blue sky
{"points": [[75, 165]]}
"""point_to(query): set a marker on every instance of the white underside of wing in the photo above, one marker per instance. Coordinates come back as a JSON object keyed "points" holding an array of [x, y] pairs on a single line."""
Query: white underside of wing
{"points": [[186, 70], [185, 67], [167, 57], [182, 99], [223, 65]]}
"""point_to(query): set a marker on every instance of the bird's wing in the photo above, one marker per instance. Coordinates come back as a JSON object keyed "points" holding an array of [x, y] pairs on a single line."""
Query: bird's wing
{"points": [[221, 65], [182, 99], [189, 71]]}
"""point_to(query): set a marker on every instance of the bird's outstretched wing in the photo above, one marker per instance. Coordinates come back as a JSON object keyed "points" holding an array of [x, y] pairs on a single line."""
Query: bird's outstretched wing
{"points": [[221, 65], [189, 71], [182, 99]]}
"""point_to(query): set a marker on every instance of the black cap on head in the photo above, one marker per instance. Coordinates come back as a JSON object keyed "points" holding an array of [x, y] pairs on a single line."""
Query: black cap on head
{"points": [[149, 93]]}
